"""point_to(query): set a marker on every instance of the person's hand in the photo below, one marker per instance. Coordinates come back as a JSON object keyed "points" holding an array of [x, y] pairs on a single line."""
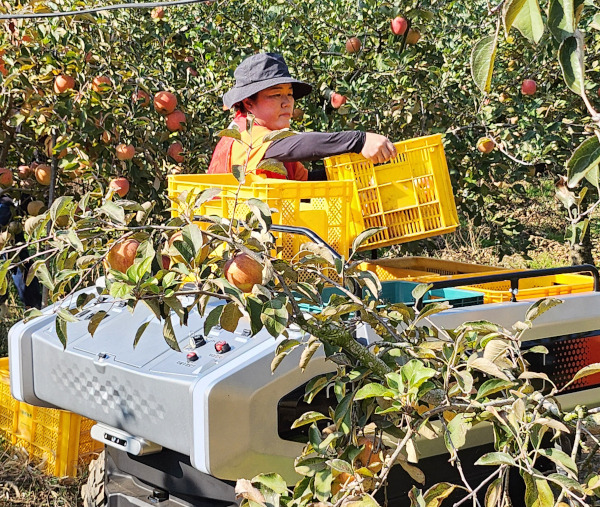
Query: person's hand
{"points": [[378, 148]]}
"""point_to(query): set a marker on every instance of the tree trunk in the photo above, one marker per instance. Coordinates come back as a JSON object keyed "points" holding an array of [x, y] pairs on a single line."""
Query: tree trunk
{"points": [[581, 253]]}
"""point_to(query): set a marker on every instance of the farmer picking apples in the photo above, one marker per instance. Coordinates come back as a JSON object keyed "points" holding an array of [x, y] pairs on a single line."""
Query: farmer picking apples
{"points": [[265, 89]]}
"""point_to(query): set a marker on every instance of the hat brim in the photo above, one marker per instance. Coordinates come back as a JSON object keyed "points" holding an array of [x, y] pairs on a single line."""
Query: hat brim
{"points": [[237, 94]]}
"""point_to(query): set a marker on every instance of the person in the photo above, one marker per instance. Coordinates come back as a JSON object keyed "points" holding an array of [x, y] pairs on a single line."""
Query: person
{"points": [[265, 89]]}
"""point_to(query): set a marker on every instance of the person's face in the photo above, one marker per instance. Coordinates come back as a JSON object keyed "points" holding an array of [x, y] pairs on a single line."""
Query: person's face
{"points": [[273, 107]]}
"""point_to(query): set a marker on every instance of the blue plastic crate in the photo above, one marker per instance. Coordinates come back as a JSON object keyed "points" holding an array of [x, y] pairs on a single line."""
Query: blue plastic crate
{"points": [[399, 291]]}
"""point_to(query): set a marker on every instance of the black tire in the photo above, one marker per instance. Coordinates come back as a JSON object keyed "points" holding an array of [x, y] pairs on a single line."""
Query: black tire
{"points": [[92, 491]]}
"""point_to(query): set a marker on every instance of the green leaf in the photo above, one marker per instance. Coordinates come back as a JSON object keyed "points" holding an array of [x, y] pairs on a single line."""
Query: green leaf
{"points": [[561, 19], [272, 481], [371, 282], [537, 492], [456, 435], [595, 24], [570, 56], [31, 313], [310, 466], [66, 315], [169, 334], [538, 349], [586, 371], [364, 236], [61, 330], [274, 317], [416, 498], [307, 354], [510, 10], [120, 290], [492, 386], [230, 317], [420, 290], [364, 501], [540, 307], [415, 373], [529, 21], [585, 158], [373, 390], [278, 134], [254, 309], [60, 207], [212, 319], [435, 495], [341, 466], [239, 172], [262, 211], [496, 459], [95, 321], [272, 165], [482, 62], [308, 418], [562, 460], [74, 240], [486, 366], [44, 277], [323, 480], [207, 195], [194, 238], [233, 133], [493, 493], [566, 483], [343, 412], [139, 333], [114, 212], [432, 309]]}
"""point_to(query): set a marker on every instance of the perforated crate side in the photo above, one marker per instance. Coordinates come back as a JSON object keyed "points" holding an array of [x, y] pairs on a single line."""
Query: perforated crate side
{"points": [[8, 405]]}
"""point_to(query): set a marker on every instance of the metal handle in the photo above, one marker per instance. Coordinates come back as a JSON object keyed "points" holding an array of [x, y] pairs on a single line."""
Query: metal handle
{"points": [[516, 276]]}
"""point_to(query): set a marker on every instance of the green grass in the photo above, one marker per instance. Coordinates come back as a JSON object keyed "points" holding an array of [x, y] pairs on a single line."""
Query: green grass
{"points": [[543, 189], [10, 313]]}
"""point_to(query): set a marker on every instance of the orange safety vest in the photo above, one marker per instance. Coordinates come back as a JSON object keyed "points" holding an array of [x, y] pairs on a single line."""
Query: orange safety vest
{"points": [[228, 153]]}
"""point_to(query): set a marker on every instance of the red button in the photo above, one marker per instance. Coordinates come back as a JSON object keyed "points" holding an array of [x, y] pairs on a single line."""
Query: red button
{"points": [[192, 356], [222, 347]]}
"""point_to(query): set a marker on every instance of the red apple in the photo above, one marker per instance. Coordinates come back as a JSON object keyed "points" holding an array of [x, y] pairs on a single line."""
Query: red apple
{"points": [[119, 186], [125, 151], [528, 87], [353, 45], [337, 100], [243, 272], [399, 25], [122, 255], [175, 151], [485, 145], [6, 177]]}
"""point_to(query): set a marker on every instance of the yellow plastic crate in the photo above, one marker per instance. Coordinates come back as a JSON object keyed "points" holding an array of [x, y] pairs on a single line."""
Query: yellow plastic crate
{"points": [[411, 195], [423, 268], [534, 288], [319, 205], [58, 438]]}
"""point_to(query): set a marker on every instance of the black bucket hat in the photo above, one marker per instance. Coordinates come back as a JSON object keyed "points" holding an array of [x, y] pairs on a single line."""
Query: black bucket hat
{"points": [[259, 72]]}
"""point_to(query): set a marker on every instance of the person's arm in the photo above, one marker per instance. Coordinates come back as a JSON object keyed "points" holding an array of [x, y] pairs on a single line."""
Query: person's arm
{"points": [[307, 146]]}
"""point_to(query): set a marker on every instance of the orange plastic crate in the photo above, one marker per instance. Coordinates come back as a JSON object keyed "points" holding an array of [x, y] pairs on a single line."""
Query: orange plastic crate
{"points": [[423, 268], [534, 288], [59, 438], [410, 196]]}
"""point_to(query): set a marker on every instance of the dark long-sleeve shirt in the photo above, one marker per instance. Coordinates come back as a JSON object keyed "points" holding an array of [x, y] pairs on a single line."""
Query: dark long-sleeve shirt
{"points": [[307, 146]]}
